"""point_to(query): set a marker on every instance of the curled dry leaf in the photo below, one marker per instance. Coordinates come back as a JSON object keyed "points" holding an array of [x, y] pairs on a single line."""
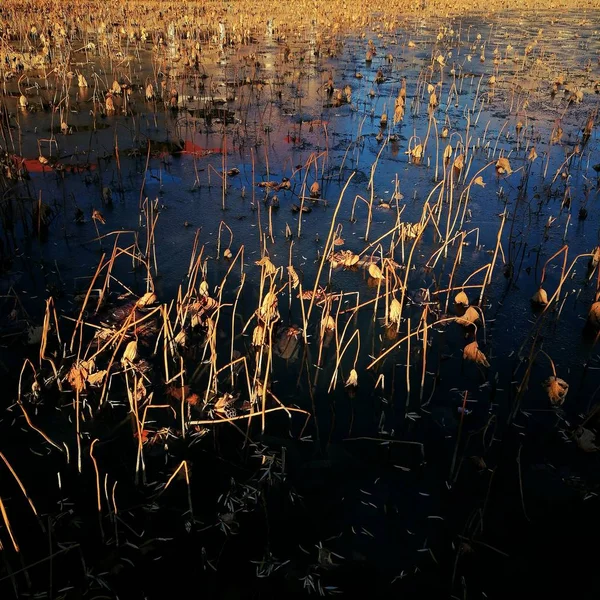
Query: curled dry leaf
{"points": [[223, 402], [293, 277], [96, 378], [395, 311], [471, 316], [319, 295], [147, 299], [104, 333], [140, 391], [474, 354], [375, 271], [461, 299], [258, 335], [328, 323], [130, 353], [532, 154], [540, 297], [409, 231], [346, 258], [503, 166], [557, 389], [398, 113], [556, 135], [350, 259], [88, 365], [268, 309], [181, 339], [416, 153], [203, 289], [352, 380], [265, 262], [210, 304], [77, 377]]}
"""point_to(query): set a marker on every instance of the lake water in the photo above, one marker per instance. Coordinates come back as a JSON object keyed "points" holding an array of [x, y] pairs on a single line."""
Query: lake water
{"points": [[440, 476]]}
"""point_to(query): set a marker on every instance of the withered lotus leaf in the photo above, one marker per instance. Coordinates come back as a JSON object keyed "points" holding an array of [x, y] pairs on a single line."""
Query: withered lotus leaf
{"points": [[258, 335], [96, 378], [352, 380], [395, 311], [556, 388], [540, 297], [461, 299], [268, 309], [375, 271], [328, 323], [204, 289], [459, 162], [147, 299], [77, 377], [265, 262], [474, 354], [503, 166], [293, 277], [130, 353], [532, 154], [471, 316]]}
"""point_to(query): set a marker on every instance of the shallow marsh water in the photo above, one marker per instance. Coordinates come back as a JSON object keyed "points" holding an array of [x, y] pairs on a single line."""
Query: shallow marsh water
{"points": [[374, 478]]}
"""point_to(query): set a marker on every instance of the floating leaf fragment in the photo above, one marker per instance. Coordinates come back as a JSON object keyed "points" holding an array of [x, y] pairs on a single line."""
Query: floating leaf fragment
{"points": [[556, 388], [540, 297], [503, 166], [474, 354]]}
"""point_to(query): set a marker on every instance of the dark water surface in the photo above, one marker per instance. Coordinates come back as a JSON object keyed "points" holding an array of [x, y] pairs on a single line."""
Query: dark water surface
{"points": [[375, 495]]}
